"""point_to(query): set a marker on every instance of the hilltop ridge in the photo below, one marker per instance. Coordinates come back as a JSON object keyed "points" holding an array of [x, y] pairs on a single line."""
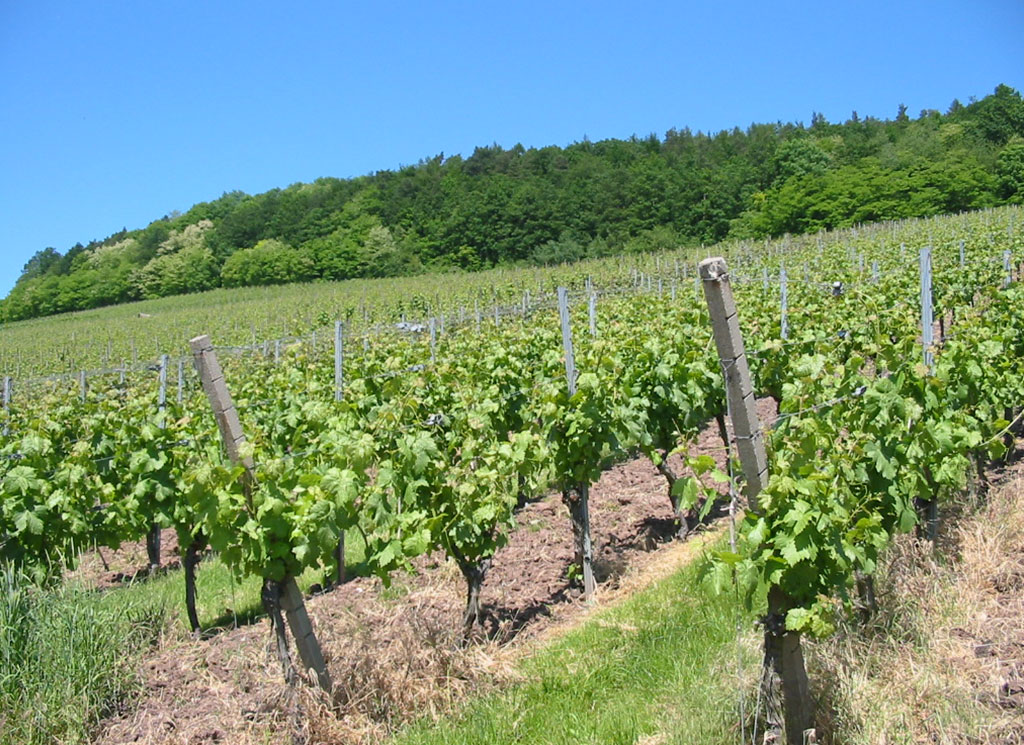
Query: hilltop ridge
{"points": [[552, 204]]}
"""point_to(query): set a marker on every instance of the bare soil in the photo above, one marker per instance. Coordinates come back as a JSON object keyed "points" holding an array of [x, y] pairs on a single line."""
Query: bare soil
{"points": [[395, 652], [105, 567]]}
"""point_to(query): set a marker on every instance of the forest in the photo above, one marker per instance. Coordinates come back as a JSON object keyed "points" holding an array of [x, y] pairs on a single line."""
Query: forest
{"points": [[554, 204]]}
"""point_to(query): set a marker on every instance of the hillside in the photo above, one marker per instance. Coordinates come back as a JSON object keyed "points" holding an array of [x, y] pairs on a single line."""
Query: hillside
{"points": [[448, 453], [511, 206]]}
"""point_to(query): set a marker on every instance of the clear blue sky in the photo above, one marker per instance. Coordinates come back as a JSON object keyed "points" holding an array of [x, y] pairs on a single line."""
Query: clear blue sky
{"points": [[115, 113]]}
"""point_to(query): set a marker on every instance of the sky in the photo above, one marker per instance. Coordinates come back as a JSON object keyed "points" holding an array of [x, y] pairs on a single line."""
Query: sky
{"points": [[115, 113]]}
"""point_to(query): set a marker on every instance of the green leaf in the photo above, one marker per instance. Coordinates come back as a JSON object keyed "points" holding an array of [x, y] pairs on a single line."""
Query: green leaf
{"points": [[686, 489]]}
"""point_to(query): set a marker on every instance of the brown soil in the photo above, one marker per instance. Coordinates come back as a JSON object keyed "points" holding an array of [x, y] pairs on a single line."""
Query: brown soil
{"points": [[395, 652], [105, 567]]}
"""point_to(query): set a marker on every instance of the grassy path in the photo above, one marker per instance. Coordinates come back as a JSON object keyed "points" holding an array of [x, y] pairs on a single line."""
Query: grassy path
{"points": [[659, 667]]}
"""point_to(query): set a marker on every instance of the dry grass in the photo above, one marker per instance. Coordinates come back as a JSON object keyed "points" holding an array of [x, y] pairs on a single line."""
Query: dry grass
{"points": [[394, 667], [399, 661], [943, 659], [393, 655]]}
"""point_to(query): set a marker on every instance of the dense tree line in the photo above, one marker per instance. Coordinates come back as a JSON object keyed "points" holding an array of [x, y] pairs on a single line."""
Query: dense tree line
{"points": [[554, 204]]}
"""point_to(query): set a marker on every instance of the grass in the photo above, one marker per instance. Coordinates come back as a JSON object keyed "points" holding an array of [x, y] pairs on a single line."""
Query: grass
{"points": [[68, 658], [69, 654], [661, 667], [221, 601], [929, 668], [664, 667]]}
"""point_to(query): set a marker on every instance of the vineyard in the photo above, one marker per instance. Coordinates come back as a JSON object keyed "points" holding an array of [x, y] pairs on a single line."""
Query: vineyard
{"points": [[421, 417]]}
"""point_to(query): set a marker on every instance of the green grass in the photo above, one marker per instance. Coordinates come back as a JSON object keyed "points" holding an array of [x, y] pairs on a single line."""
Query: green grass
{"points": [[69, 654], [221, 600], [659, 668], [67, 658]]}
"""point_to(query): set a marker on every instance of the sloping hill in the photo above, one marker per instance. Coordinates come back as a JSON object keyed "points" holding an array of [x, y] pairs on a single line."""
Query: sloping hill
{"points": [[504, 206]]}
